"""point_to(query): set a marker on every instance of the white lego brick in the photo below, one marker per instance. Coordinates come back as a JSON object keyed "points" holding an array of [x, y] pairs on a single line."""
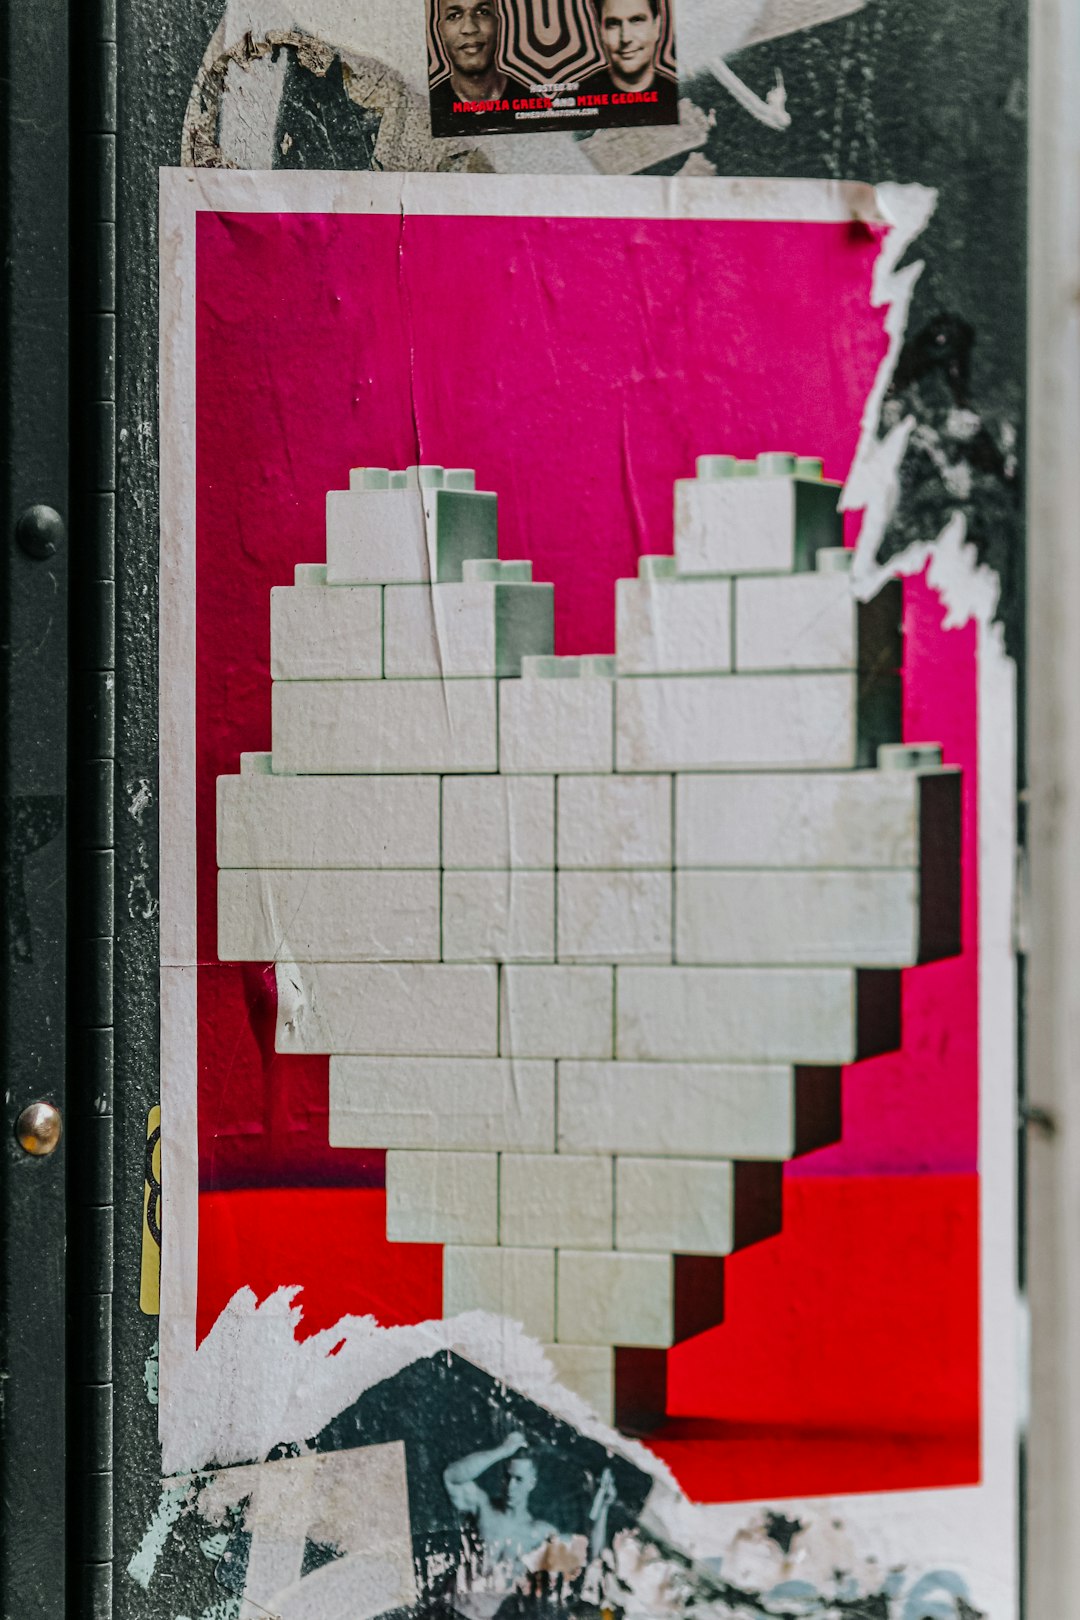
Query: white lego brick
{"points": [[406, 536], [682, 1110], [552, 1200], [327, 634], [683, 1205], [753, 525], [557, 1012], [762, 1015], [556, 725], [497, 822], [806, 621], [376, 536], [589, 1370], [859, 819], [672, 626], [871, 919], [615, 822], [439, 631], [383, 1009], [498, 916], [812, 621], [515, 1283], [477, 1104], [442, 1197], [608, 1299], [326, 728], [724, 722], [449, 631], [331, 822], [349, 916], [615, 917]]}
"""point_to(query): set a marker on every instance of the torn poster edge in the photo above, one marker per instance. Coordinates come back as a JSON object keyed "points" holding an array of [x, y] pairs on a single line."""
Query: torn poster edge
{"points": [[223, 1375], [969, 589]]}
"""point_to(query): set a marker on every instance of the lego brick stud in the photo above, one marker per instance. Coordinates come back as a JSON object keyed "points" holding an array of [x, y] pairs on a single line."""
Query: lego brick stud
{"points": [[909, 757], [653, 567], [492, 571], [545, 667], [776, 464], [834, 560], [716, 466], [309, 576]]}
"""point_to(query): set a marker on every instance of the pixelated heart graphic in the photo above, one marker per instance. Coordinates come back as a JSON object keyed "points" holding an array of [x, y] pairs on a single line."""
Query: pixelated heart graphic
{"points": [[587, 940]]}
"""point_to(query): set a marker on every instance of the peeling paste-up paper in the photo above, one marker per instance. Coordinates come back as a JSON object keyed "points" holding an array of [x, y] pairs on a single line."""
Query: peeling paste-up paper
{"points": [[541, 894], [315, 1538], [383, 53]]}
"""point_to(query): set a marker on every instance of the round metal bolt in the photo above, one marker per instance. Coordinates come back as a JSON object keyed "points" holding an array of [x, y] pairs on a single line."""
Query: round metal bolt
{"points": [[40, 531], [38, 1129]]}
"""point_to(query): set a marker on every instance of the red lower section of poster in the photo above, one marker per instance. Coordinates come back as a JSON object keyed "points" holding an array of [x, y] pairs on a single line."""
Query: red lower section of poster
{"points": [[849, 1360]]}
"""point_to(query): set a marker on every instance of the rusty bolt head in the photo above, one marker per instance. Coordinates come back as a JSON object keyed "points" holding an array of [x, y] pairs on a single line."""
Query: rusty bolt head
{"points": [[38, 1129]]}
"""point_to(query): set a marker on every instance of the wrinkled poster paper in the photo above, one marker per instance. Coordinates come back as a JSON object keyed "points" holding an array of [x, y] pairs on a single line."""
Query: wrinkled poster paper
{"points": [[586, 972]]}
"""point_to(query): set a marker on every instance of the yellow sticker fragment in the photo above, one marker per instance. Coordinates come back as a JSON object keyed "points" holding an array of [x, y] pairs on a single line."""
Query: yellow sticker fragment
{"points": [[150, 1282]]}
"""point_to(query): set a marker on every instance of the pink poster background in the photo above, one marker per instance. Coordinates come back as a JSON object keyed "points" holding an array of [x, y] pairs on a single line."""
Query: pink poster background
{"points": [[580, 366]]}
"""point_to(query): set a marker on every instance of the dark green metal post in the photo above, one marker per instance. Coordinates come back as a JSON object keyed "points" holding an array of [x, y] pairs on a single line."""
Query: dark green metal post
{"points": [[34, 517]]}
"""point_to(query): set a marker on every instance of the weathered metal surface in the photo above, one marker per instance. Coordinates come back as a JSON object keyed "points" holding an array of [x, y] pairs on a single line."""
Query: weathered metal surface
{"points": [[33, 725]]}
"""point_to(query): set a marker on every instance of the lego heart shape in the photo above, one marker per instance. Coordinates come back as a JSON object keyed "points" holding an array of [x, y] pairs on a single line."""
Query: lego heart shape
{"points": [[587, 940]]}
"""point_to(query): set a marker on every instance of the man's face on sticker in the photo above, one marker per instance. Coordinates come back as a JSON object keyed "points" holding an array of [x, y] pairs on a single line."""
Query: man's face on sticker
{"points": [[521, 1477], [629, 33], [469, 30]]}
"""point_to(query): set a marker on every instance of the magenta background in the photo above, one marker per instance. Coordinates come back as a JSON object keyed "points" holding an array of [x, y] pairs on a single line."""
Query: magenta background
{"points": [[579, 366]]}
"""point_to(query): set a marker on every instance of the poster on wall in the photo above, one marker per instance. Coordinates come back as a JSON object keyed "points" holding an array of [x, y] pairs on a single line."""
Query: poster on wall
{"points": [[587, 998], [499, 65]]}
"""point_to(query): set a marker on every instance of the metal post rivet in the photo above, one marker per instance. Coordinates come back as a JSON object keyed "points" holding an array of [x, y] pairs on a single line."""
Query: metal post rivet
{"points": [[38, 1129], [40, 531]]}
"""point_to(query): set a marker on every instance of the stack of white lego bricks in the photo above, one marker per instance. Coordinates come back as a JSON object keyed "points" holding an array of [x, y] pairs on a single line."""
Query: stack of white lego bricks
{"points": [[587, 940]]}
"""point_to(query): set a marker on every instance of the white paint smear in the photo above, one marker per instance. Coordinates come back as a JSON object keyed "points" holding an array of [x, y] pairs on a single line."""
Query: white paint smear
{"points": [[144, 1560]]}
